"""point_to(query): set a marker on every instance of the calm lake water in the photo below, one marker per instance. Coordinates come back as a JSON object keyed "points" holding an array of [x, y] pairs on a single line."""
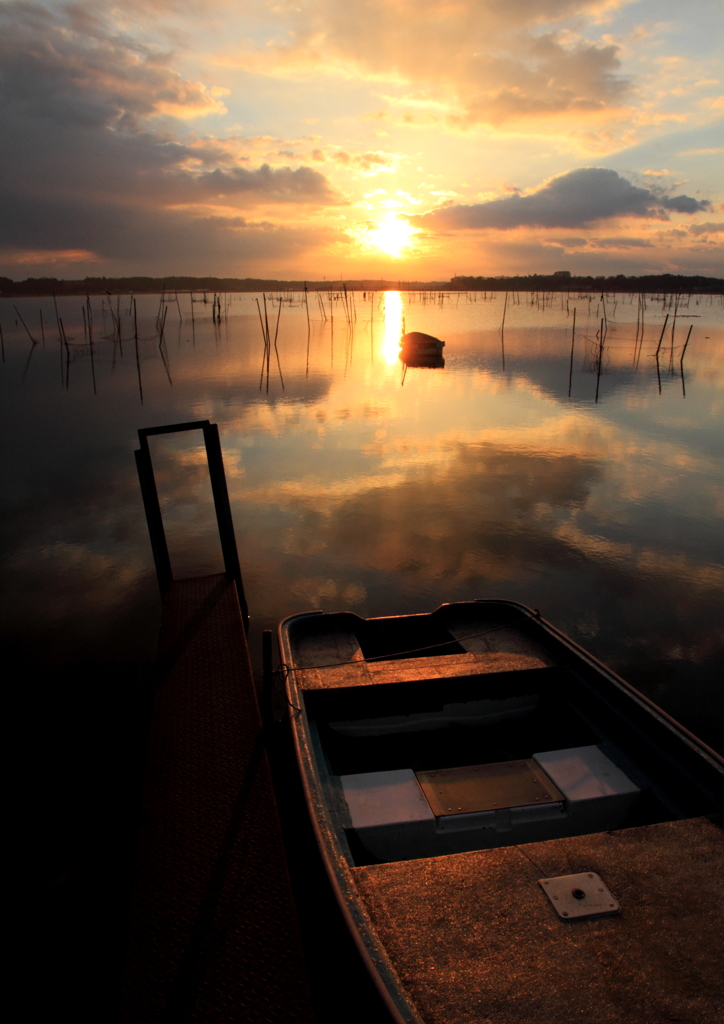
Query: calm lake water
{"points": [[585, 484]]}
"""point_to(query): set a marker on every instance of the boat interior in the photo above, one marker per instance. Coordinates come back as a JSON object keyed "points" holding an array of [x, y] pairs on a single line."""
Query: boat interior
{"points": [[476, 727]]}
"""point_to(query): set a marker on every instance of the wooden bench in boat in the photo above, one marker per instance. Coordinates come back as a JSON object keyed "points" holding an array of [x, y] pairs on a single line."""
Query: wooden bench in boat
{"points": [[417, 670]]}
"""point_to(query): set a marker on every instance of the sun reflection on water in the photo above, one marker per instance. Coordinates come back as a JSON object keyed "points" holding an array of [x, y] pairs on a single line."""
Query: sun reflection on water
{"points": [[393, 327]]}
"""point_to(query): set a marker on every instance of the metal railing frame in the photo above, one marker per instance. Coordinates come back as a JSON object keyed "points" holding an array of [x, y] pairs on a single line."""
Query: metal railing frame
{"points": [[221, 504]]}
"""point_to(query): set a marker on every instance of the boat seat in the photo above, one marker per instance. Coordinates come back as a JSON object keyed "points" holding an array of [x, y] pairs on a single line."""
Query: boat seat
{"points": [[389, 813], [399, 815], [597, 792]]}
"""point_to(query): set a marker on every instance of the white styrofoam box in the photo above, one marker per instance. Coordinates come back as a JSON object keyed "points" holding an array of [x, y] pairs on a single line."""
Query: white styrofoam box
{"points": [[390, 814], [598, 794], [385, 798]]}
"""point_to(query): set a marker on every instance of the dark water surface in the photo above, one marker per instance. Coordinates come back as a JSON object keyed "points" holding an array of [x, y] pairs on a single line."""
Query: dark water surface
{"points": [[355, 486], [589, 486]]}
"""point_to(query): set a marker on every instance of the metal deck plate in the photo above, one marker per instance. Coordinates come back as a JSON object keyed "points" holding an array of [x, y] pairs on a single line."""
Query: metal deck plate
{"points": [[487, 787], [577, 896]]}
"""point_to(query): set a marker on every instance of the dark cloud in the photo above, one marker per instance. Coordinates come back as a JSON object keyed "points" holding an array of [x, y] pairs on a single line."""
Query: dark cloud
{"points": [[621, 242], [573, 200], [83, 167], [708, 228], [300, 185], [684, 204], [70, 66]]}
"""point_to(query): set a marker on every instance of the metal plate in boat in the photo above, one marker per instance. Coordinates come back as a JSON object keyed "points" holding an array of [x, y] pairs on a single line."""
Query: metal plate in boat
{"points": [[581, 895], [487, 787]]}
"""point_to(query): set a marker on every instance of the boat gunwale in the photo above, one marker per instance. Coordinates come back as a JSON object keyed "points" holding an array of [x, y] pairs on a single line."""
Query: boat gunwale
{"points": [[699, 745], [359, 923]]}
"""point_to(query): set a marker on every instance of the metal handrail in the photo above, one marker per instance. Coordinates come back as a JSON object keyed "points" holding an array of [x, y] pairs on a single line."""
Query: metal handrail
{"points": [[221, 504]]}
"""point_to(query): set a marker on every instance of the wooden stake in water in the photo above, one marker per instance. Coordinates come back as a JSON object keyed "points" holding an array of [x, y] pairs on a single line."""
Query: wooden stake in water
{"points": [[502, 330], [681, 362], [661, 338], [60, 339], [25, 326], [89, 340], [266, 345], [67, 354], [600, 358], [138, 360], [573, 341], [643, 328], [276, 350]]}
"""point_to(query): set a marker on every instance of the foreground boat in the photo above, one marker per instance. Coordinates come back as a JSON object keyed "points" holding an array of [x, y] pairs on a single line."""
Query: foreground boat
{"points": [[514, 834]]}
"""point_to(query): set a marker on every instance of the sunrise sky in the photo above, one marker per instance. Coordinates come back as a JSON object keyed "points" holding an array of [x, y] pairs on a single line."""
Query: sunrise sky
{"points": [[404, 139]]}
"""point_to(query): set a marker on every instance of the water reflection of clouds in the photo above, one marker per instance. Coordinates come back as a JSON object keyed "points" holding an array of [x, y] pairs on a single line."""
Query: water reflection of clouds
{"points": [[640, 464], [350, 491], [636, 556], [493, 519]]}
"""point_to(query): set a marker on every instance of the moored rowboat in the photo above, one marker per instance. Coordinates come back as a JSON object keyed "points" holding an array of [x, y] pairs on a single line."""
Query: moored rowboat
{"points": [[422, 344], [418, 349], [512, 831]]}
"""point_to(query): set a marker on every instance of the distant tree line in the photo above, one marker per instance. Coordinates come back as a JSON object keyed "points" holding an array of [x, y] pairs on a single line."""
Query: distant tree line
{"points": [[562, 280], [155, 285]]}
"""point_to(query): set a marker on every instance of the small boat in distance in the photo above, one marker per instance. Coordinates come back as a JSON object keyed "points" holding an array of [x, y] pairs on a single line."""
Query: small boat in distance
{"points": [[418, 349], [512, 832]]}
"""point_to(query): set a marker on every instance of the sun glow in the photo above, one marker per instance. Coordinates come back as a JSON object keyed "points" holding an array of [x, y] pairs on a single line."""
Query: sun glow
{"points": [[391, 235]]}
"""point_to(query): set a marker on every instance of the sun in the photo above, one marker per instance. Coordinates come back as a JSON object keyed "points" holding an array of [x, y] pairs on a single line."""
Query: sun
{"points": [[391, 235]]}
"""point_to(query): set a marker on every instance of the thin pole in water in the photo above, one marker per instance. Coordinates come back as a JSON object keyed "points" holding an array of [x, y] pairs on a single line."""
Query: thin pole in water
{"points": [[600, 359], [681, 361], [502, 330], [67, 355], [25, 325], [60, 339], [573, 341], [87, 328], [276, 350], [138, 359], [658, 347]]}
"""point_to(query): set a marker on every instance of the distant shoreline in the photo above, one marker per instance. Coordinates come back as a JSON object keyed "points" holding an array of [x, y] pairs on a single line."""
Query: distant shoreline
{"points": [[558, 282]]}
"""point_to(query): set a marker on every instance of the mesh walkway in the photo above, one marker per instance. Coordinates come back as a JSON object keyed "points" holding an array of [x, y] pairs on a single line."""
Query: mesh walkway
{"points": [[213, 934]]}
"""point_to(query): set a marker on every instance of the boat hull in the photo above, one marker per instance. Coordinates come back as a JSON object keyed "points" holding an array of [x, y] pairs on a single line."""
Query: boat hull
{"points": [[361, 701]]}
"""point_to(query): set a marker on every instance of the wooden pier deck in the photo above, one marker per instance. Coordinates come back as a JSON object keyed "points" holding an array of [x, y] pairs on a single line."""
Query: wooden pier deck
{"points": [[213, 932]]}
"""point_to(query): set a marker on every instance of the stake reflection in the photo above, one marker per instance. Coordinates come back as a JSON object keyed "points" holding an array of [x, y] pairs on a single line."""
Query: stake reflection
{"points": [[393, 327]]}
